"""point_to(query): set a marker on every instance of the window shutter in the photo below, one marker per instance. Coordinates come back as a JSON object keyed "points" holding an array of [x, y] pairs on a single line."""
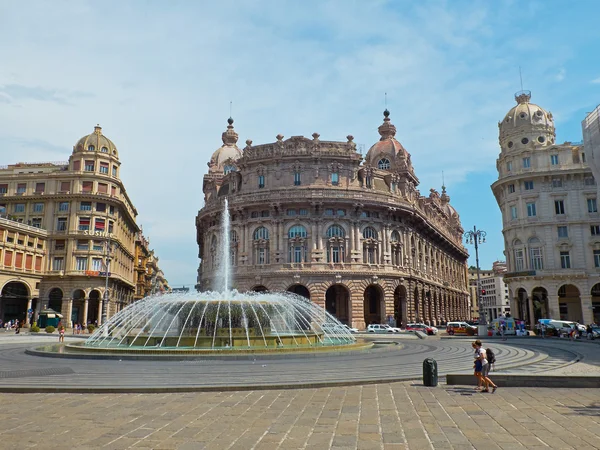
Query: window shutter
{"points": [[8, 258], [65, 186], [103, 187], [38, 263], [29, 262], [19, 260], [77, 165], [87, 186]]}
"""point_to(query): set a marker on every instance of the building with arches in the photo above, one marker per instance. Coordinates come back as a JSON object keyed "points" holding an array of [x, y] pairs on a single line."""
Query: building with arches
{"points": [[547, 195], [311, 217], [83, 209]]}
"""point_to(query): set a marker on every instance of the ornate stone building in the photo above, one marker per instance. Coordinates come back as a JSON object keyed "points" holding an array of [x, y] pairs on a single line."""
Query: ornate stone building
{"points": [[548, 199], [88, 216], [308, 216]]}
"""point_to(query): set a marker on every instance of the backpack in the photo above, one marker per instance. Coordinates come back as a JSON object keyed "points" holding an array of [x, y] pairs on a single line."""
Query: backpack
{"points": [[490, 356]]}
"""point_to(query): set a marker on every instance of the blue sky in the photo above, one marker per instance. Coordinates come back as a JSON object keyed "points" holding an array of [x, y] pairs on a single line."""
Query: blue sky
{"points": [[159, 76]]}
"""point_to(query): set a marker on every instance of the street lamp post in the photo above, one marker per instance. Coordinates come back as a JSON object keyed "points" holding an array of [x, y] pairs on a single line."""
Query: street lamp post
{"points": [[106, 268], [477, 237]]}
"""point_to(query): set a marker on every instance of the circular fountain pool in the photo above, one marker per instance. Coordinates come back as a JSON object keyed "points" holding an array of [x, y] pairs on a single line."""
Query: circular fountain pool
{"points": [[213, 322]]}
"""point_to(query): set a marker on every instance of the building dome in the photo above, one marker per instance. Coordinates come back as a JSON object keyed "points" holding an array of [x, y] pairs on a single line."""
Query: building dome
{"points": [[221, 159], [96, 142], [526, 124], [388, 148]]}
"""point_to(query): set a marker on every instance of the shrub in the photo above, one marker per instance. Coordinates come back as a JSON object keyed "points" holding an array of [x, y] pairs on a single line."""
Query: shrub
{"points": [[91, 328], [34, 328], [50, 329]]}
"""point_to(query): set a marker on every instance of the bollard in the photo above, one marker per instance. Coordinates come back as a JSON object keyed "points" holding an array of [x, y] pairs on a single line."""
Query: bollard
{"points": [[430, 372]]}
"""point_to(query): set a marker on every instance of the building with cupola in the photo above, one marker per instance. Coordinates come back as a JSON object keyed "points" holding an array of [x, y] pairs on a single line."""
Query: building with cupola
{"points": [[354, 235], [547, 195], [72, 216]]}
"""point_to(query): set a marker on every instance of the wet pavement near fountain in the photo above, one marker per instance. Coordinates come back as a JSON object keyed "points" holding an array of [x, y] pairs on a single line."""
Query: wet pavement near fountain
{"points": [[389, 363]]}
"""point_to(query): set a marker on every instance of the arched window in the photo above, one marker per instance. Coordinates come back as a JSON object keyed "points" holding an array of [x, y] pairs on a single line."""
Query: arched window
{"points": [[519, 257], [335, 178], [395, 237], [384, 164], [104, 150], [91, 148], [233, 236], [261, 233], [297, 231], [369, 233], [227, 169], [536, 254], [396, 248], [335, 231]]}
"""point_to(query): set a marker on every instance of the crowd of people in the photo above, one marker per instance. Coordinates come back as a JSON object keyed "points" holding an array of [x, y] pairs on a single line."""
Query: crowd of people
{"points": [[12, 325]]}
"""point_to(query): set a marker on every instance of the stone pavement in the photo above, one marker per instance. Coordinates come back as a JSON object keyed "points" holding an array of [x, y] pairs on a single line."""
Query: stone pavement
{"points": [[386, 416]]}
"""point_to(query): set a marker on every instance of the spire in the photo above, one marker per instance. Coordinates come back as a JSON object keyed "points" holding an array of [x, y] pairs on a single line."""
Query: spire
{"points": [[523, 97], [229, 136], [444, 197], [386, 129], [98, 129]]}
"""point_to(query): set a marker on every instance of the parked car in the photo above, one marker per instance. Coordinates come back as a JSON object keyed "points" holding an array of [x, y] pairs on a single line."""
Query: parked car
{"points": [[429, 329], [348, 328], [381, 328], [460, 328]]}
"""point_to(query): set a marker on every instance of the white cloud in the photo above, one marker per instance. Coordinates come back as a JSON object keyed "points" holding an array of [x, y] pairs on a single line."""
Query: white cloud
{"points": [[596, 81], [159, 79], [560, 75]]}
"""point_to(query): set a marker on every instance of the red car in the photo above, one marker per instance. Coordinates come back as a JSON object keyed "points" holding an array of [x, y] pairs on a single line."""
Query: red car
{"points": [[422, 328]]}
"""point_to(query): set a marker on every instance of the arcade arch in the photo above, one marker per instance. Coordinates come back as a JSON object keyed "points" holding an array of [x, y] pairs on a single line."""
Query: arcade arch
{"points": [[374, 308], [569, 303], [300, 289], [337, 302], [13, 301]]}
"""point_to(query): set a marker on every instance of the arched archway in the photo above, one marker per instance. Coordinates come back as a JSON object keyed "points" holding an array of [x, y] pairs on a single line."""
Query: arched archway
{"points": [[94, 306], [55, 297], [400, 307], [374, 310], [539, 297], [78, 306], [300, 289], [595, 293], [569, 303], [337, 302], [259, 288], [13, 301], [522, 307]]}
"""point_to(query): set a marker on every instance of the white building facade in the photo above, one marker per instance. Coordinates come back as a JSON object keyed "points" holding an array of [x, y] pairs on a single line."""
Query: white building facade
{"points": [[547, 195]]}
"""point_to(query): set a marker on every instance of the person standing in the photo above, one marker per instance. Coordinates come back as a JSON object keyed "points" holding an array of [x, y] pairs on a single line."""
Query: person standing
{"points": [[61, 334]]}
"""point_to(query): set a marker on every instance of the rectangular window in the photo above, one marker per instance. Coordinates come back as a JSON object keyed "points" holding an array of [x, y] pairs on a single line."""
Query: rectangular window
{"points": [[511, 188], [596, 258], [81, 264], [554, 160], [65, 186], [519, 260], [341, 212], [297, 254], [84, 223], [262, 256], [329, 212], [111, 209], [335, 254], [509, 166], [113, 191], [537, 260], [87, 186], [3, 188], [97, 264], [21, 188], [565, 260], [531, 210], [557, 182], [8, 258], [89, 166], [38, 207], [513, 213], [19, 260], [59, 244], [19, 207], [104, 168], [261, 181], [61, 224], [595, 230], [83, 245], [563, 232], [28, 262], [36, 222], [592, 205], [77, 165], [291, 212], [589, 181], [297, 180], [99, 225], [63, 206], [101, 207], [103, 188], [98, 246], [114, 171], [303, 212], [264, 213], [528, 185], [85, 206], [583, 157], [335, 178], [40, 188], [110, 226], [58, 263], [559, 207], [38, 263], [526, 162]]}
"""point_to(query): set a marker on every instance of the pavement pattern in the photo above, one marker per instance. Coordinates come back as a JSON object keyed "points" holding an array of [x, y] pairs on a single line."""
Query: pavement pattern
{"points": [[388, 416]]}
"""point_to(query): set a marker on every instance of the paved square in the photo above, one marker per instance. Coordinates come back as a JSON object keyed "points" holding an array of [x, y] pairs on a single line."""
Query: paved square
{"points": [[385, 416]]}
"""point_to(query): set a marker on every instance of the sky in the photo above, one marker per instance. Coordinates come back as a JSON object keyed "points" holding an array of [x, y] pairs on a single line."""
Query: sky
{"points": [[159, 78]]}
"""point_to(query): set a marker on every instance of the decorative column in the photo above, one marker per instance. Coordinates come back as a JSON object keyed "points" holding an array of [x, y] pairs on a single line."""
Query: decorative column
{"points": [[27, 312], [587, 311], [67, 310], [100, 310], [314, 235], [531, 315], [85, 312]]}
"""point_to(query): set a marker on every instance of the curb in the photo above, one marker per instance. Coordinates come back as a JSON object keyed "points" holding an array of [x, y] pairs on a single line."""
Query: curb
{"points": [[534, 380]]}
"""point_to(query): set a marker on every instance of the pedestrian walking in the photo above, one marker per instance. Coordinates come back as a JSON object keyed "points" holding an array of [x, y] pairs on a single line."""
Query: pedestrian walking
{"points": [[477, 365], [485, 368]]}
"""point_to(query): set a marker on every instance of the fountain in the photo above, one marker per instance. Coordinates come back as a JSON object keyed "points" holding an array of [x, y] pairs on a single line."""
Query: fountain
{"points": [[219, 321]]}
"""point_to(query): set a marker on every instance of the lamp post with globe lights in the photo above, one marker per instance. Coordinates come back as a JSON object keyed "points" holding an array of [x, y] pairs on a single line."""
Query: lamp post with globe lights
{"points": [[477, 237]]}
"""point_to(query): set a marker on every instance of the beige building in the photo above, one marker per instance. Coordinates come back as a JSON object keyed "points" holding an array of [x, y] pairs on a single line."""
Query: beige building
{"points": [[358, 238], [473, 299], [23, 251], [88, 217], [548, 199]]}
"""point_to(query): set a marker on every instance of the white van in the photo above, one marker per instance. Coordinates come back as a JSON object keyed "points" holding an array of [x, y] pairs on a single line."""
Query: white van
{"points": [[565, 326]]}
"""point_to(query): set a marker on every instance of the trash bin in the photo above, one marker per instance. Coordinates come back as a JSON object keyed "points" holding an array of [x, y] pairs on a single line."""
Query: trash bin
{"points": [[430, 372]]}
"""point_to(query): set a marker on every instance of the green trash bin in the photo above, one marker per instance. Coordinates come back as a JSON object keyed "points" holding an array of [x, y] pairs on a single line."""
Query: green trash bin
{"points": [[48, 317], [430, 372]]}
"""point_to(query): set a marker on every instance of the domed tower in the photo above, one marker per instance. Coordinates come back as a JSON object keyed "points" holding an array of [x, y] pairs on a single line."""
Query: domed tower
{"points": [[388, 154], [223, 159], [547, 197], [95, 153]]}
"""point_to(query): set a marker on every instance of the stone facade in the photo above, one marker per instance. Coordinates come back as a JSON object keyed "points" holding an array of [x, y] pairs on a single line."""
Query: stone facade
{"points": [[309, 216], [548, 198], [89, 219]]}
